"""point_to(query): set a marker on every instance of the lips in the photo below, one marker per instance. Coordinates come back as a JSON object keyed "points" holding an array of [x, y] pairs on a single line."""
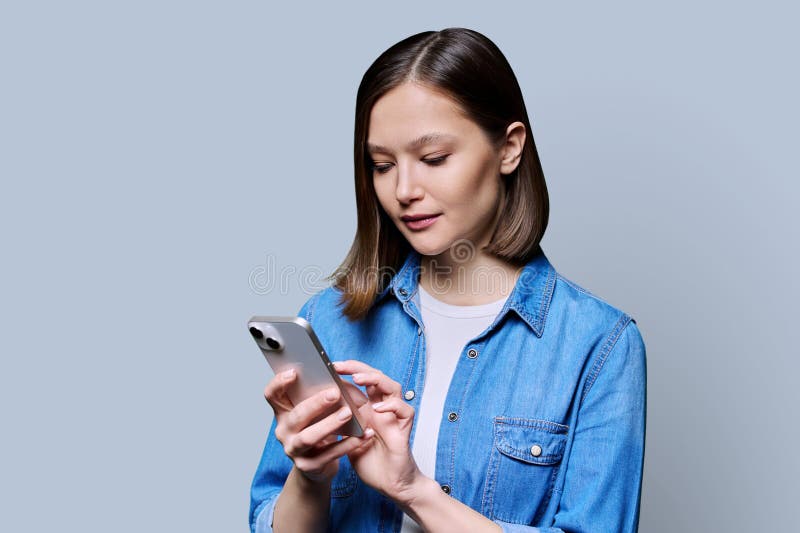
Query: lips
{"points": [[418, 222], [409, 218]]}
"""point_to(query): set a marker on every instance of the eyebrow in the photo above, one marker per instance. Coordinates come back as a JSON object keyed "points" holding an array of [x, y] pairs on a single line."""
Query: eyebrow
{"points": [[422, 140]]}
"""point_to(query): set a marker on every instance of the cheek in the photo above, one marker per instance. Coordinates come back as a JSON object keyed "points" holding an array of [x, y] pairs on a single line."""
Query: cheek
{"points": [[471, 187], [381, 194]]}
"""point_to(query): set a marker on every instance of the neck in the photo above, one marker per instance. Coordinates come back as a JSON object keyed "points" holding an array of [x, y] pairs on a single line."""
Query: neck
{"points": [[467, 280]]}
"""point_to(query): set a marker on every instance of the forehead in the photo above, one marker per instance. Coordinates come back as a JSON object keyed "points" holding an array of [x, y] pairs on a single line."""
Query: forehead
{"points": [[410, 116]]}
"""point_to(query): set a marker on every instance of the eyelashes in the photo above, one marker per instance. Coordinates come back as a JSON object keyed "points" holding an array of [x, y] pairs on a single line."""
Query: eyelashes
{"points": [[434, 162]]}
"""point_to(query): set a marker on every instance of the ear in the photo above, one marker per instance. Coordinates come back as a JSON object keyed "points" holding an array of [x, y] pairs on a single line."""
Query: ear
{"points": [[511, 149]]}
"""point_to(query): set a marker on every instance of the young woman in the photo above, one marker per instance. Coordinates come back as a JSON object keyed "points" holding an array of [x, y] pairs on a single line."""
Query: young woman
{"points": [[499, 396]]}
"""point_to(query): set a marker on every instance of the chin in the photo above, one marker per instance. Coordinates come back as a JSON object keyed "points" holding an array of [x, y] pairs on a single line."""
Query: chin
{"points": [[427, 246]]}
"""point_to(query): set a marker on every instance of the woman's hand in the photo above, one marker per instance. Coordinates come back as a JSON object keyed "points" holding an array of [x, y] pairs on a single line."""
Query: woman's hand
{"points": [[313, 448], [387, 465]]}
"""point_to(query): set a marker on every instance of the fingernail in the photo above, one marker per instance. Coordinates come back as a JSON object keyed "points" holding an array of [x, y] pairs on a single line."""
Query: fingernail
{"points": [[330, 395], [288, 374], [369, 433], [344, 414], [377, 405]]}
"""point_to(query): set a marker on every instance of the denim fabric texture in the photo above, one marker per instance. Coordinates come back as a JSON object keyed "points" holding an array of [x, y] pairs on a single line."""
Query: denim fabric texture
{"points": [[543, 427]]}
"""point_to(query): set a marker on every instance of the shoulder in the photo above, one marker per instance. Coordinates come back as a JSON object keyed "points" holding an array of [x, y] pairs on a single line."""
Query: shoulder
{"points": [[612, 328], [568, 289], [576, 298], [578, 310], [323, 299], [600, 329], [324, 309]]}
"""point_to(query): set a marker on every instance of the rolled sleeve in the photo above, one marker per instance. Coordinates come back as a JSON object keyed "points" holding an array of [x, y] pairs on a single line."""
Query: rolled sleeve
{"points": [[268, 482], [518, 528], [264, 515]]}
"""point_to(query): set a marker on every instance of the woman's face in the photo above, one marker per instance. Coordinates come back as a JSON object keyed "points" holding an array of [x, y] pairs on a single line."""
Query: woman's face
{"points": [[451, 172]]}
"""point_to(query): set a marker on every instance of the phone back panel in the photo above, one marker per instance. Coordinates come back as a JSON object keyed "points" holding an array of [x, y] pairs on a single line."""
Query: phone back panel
{"points": [[300, 349]]}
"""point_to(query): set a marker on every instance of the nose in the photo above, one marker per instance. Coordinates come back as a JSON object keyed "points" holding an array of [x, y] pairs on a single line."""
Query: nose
{"points": [[408, 188]]}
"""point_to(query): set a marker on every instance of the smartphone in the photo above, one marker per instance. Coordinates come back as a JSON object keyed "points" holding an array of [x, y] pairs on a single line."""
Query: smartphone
{"points": [[290, 342]]}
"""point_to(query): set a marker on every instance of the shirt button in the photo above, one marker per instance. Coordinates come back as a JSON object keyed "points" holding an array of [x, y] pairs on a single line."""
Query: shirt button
{"points": [[472, 353], [402, 292], [452, 417], [419, 331], [409, 395], [446, 489], [536, 450]]}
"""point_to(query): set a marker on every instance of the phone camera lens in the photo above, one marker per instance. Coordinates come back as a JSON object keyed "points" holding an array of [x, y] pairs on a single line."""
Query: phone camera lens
{"points": [[272, 343], [255, 332]]}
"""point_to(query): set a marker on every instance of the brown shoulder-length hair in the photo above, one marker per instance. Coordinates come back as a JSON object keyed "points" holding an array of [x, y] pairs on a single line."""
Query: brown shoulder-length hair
{"points": [[471, 70]]}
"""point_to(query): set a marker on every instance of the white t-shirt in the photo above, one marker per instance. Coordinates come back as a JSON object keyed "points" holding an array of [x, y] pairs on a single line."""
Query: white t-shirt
{"points": [[448, 328]]}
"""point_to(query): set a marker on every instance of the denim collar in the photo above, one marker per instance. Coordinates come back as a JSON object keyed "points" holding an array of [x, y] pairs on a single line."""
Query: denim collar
{"points": [[530, 298]]}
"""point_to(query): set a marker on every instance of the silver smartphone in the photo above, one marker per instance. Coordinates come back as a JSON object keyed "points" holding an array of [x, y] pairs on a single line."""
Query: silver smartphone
{"points": [[290, 342]]}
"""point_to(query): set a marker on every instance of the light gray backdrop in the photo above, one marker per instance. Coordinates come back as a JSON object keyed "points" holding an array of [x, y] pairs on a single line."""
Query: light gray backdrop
{"points": [[157, 157]]}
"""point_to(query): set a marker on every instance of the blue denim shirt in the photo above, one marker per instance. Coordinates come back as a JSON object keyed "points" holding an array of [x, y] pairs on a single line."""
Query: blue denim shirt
{"points": [[543, 426]]}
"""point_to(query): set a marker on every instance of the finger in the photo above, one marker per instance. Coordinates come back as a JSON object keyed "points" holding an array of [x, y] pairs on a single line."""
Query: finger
{"points": [[366, 442], [351, 366], [335, 451], [355, 394], [312, 407], [314, 434], [330, 439], [397, 406], [379, 380], [275, 391]]}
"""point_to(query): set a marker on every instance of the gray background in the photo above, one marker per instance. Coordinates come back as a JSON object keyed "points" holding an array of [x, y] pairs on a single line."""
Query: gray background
{"points": [[157, 157]]}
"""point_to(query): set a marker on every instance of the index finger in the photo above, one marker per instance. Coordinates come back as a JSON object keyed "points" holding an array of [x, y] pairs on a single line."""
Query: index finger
{"points": [[369, 376], [351, 366]]}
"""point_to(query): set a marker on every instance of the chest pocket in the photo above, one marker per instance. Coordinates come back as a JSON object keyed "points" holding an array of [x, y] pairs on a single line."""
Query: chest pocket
{"points": [[525, 458]]}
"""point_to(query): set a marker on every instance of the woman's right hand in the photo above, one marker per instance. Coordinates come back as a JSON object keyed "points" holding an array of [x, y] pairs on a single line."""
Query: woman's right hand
{"points": [[313, 448]]}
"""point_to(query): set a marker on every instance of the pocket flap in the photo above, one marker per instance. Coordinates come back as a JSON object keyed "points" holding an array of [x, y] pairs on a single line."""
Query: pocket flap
{"points": [[533, 441]]}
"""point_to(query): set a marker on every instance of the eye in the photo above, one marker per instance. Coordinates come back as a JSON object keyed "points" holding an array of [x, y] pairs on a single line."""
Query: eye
{"points": [[436, 161], [380, 169]]}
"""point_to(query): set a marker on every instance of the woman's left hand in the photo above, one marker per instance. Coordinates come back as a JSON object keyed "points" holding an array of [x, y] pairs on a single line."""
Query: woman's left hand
{"points": [[387, 464]]}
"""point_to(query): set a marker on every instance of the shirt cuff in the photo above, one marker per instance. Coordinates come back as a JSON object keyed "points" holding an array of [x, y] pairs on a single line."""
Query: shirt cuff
{"points": [[508, 527], [264, 517]]}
